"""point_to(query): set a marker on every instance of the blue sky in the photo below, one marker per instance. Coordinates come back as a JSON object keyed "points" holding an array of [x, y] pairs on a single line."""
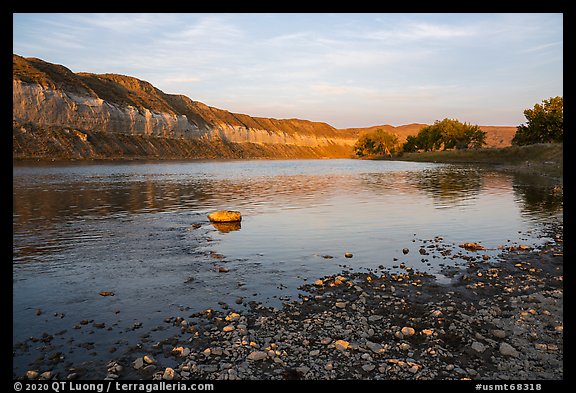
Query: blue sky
{"points": [[346, 69]]}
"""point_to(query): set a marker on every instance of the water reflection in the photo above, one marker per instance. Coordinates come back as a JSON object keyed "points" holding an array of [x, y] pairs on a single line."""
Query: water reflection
{"points": [[540, 196], [225, 227], [448, 187]]}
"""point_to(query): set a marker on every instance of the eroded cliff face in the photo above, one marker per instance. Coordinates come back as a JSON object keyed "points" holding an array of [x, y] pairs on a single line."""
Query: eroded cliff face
{"points": [[60, 114]]}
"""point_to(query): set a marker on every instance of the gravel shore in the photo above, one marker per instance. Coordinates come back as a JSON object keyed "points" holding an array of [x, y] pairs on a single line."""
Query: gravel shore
{"points": [[496, 319]]}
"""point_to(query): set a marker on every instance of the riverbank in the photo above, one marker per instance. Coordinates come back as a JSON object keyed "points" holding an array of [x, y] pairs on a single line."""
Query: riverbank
{"points": [[542, 158], [493, 319]]}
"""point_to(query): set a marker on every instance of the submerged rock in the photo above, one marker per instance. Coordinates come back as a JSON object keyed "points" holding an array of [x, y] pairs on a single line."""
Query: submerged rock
{"points": [[472, 246]]}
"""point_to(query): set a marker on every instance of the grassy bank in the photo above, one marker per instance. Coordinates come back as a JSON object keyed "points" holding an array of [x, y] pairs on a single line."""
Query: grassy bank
{"points": [[546, 158]]}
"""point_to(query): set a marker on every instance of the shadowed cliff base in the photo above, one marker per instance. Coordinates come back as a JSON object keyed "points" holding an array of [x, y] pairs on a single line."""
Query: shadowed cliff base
{"points": [[63, 143]]}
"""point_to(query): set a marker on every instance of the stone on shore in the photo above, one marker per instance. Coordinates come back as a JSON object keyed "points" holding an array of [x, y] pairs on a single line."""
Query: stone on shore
{"points": [[257, 355], [225, 216], [408, 331], [508, 350], [341, 345]]}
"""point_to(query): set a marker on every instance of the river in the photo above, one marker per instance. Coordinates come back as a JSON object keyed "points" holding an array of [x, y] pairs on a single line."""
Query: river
{"points": [[139, 231]]}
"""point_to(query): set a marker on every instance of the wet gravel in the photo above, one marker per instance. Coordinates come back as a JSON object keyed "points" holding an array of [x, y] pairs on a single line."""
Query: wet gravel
{"points": [[492, 319]]}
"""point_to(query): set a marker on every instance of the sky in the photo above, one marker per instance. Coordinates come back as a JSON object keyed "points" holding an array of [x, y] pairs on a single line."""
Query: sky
{"points": [[345, 69]]}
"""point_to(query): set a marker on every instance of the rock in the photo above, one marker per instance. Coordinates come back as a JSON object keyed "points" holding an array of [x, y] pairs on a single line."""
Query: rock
{"points": [[217, 351], [408, 331], [508, 350], [499, 333], [348, 255], [405, 251], [341, 345], [138, 363], [221, 269], [106, 293], [319, 283], [148, 359], [478, 347], [340, 304], [168, 374], [427, 332], [315, 352], [46, 375], [257, 355], [179, 351], [32, 374], [374, 347], [326, 341], [233, 316], [225, 216], [368, 367], [472, 246], [228, 328]]}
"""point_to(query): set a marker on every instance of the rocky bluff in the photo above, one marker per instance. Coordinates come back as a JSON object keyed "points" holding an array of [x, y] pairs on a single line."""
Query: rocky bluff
{"points": [[59, 114]]}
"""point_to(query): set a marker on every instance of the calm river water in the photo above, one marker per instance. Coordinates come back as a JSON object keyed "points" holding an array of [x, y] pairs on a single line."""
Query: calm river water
{"points": [[127, 228]]}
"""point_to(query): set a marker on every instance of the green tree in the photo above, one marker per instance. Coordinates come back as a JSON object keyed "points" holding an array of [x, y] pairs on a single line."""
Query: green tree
{"points": [[545, 123], [446, 134], [377, 143]]}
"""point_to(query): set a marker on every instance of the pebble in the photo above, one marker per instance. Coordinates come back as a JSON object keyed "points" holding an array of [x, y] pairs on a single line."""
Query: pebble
{"points": [[168, 374], [341, 345], [408, 331], [348, 255], [368, 367], [32, 374], [374, 347], [138, 363], [508, 350], [148, 359], [257, 355], [499, 333], [478, 347]]}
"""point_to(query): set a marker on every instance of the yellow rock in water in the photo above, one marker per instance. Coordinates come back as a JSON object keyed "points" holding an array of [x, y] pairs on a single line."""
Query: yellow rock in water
{"points": [[225, 216]]}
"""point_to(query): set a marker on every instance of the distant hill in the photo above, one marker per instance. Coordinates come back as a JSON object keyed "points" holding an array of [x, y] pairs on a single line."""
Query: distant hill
{"points": [[496, 136]]}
